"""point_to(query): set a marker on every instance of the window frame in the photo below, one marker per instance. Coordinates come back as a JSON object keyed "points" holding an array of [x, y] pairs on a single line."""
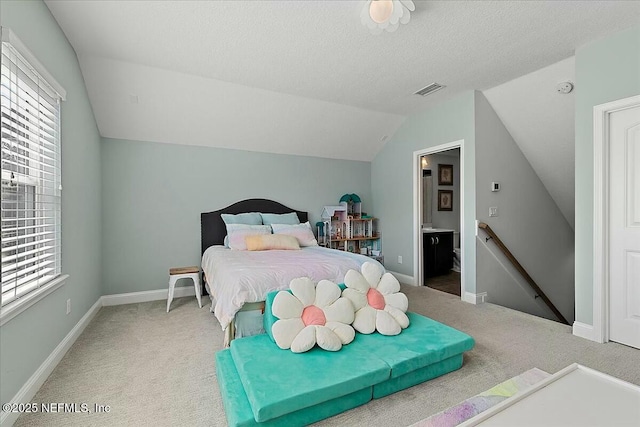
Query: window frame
{"points": [[27, 299]]}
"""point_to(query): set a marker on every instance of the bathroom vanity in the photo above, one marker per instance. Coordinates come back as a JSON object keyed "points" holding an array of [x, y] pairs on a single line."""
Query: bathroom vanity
{"points": [[437, 250]]}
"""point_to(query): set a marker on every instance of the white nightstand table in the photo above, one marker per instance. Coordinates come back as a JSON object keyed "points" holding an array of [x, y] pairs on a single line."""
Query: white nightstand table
{"points": [[178, 273]]}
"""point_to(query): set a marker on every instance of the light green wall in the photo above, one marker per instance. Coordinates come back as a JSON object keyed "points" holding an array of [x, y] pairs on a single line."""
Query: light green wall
{"points": [[392, 180], [153, 195], [529, 223], [606, 70], [28, 339]]}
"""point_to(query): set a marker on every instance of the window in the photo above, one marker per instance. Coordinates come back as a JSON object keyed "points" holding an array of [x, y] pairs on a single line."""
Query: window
{"points": [[31, 179]]}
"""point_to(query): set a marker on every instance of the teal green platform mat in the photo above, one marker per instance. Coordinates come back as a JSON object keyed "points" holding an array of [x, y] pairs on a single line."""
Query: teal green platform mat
{"points": [[264, 385], [418, 376], [268, 319], [423, 343], [238, 409], [279, 382]]}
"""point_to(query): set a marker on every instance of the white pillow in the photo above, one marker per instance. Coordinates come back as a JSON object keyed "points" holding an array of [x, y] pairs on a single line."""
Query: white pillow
{"points": [[237, 232], [302, 232]]}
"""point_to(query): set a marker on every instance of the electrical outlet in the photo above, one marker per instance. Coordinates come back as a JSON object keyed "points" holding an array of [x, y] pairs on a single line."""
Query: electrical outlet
{"points": [[399, 259], [493, 211], [69, 306]]}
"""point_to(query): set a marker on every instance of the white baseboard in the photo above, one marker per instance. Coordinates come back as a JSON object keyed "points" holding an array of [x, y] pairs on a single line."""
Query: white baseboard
{"points": [[472, 298], [146, 296], [33, 384], [403, 278], [585, 331]]}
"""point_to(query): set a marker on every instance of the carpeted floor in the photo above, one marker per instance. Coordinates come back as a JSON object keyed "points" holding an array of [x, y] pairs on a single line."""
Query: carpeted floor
{"points": [[157, 369]]}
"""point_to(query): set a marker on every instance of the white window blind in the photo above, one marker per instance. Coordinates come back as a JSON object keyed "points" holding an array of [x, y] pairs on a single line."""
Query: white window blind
{"points": [[31, 183]]}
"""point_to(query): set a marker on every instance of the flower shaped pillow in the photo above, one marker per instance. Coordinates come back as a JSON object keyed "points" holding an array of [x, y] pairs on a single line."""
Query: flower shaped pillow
{"points": [[311, 315], [378, 304]]}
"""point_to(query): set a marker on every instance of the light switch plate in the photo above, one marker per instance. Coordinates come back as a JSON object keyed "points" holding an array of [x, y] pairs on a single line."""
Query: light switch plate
{"points": [[493, 211], [495, 186]]}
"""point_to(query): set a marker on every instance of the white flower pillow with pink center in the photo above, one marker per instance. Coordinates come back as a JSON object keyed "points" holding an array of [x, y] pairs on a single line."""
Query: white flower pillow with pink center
{"points": [[377, 300], [311, 315]]}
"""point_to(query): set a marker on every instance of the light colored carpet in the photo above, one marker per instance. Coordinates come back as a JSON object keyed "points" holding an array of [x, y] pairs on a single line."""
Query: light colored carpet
{"points": [[157, 369]]}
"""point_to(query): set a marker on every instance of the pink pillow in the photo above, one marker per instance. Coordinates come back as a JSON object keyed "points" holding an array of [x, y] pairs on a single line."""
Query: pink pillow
{"points": [[266, 242], [302, 232], [237, 233]]}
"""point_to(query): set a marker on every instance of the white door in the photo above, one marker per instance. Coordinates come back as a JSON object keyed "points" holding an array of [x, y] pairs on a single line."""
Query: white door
{"points": [[624, 226]]}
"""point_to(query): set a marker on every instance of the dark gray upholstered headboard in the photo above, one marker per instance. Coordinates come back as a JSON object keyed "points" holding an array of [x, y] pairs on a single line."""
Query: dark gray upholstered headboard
{"points": [[213, 230]]}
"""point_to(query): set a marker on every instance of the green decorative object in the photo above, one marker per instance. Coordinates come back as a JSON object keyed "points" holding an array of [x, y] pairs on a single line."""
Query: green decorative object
{"points": [[350, 198]]}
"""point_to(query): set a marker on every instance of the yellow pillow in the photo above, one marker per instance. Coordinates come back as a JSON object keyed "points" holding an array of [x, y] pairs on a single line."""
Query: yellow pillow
{"points": [[265, 242]]}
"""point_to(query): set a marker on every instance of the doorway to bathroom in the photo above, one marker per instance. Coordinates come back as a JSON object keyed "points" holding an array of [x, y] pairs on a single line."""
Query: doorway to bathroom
{"points": [[438, 212]]}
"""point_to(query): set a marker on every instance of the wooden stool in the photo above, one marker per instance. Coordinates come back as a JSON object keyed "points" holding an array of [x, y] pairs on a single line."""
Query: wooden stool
{"points": [[178, 273]]}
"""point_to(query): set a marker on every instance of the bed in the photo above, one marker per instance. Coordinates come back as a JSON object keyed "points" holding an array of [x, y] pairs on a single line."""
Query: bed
{"points": [[238, 281]]}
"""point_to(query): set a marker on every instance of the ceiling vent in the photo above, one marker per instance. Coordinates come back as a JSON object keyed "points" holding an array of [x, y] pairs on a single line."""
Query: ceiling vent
{"points": [[433, 87]]}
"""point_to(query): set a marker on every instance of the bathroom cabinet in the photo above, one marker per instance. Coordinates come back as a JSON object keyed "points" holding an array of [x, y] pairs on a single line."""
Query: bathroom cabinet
{"points": [[437, 252]]}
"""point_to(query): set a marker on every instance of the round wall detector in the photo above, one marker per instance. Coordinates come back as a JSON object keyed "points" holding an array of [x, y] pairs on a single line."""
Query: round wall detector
{"points": [[564, 87]]}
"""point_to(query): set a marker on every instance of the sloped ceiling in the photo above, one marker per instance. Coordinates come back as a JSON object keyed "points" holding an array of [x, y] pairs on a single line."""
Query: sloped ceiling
{"points": [[542, 123], [305, 77], [136, 102]]}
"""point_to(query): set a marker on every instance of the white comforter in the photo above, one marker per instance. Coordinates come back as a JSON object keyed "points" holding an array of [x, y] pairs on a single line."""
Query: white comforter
{"points": [[238, 277]]}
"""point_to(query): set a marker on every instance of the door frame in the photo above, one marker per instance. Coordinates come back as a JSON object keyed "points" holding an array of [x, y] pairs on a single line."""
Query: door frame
{"points": [[601, 143], [418, 271]]}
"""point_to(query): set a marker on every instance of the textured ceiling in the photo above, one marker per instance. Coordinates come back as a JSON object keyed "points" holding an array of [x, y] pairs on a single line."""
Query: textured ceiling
{"points": [[319, 49], [318, 53]]}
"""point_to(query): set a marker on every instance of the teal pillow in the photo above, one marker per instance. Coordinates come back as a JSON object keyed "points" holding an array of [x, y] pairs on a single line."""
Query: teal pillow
{"points": [[288, 218], [251, 218]]}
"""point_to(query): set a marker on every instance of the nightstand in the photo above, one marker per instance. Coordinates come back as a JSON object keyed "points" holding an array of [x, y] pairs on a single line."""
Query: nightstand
{"points": [[178, 273]]}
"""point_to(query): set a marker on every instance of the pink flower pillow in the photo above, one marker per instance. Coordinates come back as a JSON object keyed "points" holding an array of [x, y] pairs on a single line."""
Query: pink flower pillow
{"points": [[378, 303], [312, 315]]}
